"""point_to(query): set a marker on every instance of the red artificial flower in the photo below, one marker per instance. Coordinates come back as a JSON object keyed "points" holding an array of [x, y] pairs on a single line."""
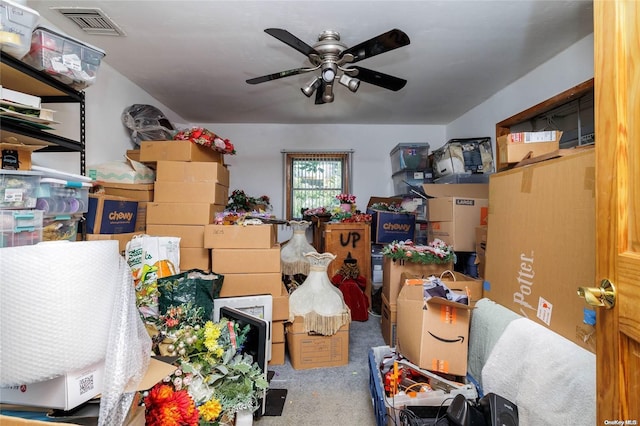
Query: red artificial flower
{"points": [[167, 407]]}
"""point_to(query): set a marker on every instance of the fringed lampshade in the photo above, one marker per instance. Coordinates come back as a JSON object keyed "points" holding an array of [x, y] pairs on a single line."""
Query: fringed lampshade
{"points": [[317, 300], [292, 258]]}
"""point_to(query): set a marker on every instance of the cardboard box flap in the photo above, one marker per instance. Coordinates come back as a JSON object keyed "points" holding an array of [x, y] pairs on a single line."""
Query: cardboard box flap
{"points": [[20, 146], [156, 371], [415, 293], [466, 190]]}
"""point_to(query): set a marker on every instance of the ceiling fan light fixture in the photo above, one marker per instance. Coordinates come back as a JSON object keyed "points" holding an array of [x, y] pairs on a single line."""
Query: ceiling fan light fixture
{"points": [[350, 82], [329, 71], [311, 86]]}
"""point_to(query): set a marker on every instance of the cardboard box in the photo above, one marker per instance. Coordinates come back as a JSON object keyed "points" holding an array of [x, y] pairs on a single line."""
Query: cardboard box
{"points": [[189, 171], [237, 237], [190, 235], [387, 227], [16, 156], [463, 190], [63, 392], [152, 151], [436, 337], [125, 171], [389, 322], [109, 214], [191, 192], [141, 218], [454, 220], [463, 284], [541, 242], [392, 274], [156, 371], [195, 258], [277, 333], [181, 213], [514, 147], [310, 350], [133, 191], [122, 239], [246, 261], [280, 309], [251, 284], [277, 353], [481, 248]]}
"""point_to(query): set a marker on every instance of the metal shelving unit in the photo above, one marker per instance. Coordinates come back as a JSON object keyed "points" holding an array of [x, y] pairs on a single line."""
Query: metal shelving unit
{"points": [[16, 75]]}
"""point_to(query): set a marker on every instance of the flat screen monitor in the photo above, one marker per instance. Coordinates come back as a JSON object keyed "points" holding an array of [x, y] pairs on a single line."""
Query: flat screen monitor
{"points": [[255, 343], [260, 306]]}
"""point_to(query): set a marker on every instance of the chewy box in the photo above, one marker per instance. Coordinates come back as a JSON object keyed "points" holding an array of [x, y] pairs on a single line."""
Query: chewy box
{"points": [[111, 215], [387, 227]]}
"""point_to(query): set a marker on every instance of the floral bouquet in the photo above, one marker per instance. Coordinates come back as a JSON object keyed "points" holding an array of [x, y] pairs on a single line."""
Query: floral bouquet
{"points": [[239, 201], [214, 379], [207, 138], [437, 251], [346, 198]]}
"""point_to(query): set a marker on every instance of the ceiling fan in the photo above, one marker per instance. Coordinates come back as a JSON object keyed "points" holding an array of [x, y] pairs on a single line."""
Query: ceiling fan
{"points": [[330, 56]]}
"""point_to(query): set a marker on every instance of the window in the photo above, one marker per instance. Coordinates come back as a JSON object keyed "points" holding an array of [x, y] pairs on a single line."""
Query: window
{"points": [[313, 179]]}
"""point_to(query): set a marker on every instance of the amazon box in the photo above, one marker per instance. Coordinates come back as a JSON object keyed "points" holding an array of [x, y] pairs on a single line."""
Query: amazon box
{"points": [[433, 332]]}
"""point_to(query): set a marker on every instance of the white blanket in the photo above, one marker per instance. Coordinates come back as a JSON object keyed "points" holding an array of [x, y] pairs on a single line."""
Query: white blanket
{"points": [[549, 378]]}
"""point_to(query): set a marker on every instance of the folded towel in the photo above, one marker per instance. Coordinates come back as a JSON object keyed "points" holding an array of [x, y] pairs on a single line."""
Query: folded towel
{"points": [[551, 379], [488, 321]]}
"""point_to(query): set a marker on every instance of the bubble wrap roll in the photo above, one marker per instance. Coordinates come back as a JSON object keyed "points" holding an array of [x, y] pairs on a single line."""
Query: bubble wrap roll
{"points": [[56, 304]]}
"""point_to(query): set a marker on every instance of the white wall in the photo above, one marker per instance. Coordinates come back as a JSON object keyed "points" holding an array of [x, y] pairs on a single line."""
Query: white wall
{"points": [[567, 69], [106, 137], [257, 168]]}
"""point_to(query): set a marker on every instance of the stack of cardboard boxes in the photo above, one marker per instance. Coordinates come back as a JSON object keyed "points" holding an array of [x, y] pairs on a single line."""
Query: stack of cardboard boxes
{"points": [[249, 259], [192, 184]]}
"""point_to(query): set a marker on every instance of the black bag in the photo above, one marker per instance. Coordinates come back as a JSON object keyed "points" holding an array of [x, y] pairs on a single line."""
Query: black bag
{"points": [[193, 286]]}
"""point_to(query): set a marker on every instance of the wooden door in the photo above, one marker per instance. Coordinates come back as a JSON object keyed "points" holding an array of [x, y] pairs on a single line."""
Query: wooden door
{"points": [[617, 110]]}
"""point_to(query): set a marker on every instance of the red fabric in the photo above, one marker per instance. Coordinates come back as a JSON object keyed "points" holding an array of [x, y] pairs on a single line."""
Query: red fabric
{"points": [[354, 297]]}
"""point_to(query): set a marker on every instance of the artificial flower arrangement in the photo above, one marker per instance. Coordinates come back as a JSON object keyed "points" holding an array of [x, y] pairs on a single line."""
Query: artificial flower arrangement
{"points": [[388, 207], [346, 198], [214, 379], [239, 201], [437, 251], [207, 138]]}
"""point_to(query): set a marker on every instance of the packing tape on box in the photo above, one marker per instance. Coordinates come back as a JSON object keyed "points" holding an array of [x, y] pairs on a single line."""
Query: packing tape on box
{"points": [[56, 305]]}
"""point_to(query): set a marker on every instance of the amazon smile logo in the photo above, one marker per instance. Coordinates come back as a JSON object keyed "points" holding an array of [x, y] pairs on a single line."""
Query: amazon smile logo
{"points": [[442, 339]]}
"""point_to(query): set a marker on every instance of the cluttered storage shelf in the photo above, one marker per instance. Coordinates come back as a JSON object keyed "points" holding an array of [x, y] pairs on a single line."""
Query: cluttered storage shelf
{"points": [[19, 76]]}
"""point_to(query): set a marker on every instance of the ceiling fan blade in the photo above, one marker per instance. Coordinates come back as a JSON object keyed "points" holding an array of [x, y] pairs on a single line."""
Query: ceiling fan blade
{"points": [[275, 76], [390, 40], [379, 79], [291, 40], [320, 93]]}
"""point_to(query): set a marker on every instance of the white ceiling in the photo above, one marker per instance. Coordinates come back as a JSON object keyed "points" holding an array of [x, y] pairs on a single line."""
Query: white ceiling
{"points": [[195, 56]]}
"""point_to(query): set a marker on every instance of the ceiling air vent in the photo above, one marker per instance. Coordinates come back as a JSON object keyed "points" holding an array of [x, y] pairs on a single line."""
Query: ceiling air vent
{"points": [[91, 20]]}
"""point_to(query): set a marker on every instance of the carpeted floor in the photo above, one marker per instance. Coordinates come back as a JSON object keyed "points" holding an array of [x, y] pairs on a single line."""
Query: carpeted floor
{"points": [[330, 396]]}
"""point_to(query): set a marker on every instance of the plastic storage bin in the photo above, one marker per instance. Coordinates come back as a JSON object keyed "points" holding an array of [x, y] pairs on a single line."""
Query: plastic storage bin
{"points": [[20, 227], [62, 227], [17, 22], [464, 178], [473, 155], [18, 189], [69, 60], [57, 197], [404, 180], [409, 156], [387, 409]]}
